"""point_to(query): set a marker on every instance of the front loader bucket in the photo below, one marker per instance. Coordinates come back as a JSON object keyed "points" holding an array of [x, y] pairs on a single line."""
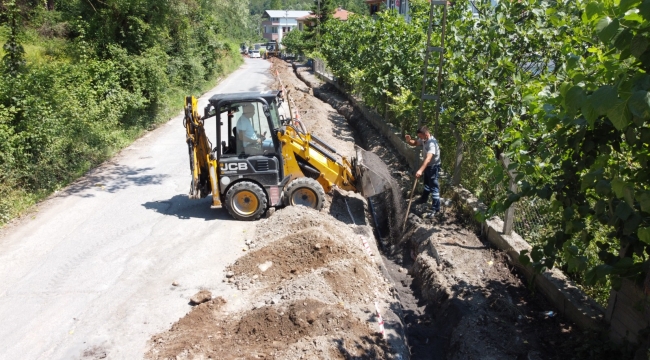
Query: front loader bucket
{"points": [[371, 173]]}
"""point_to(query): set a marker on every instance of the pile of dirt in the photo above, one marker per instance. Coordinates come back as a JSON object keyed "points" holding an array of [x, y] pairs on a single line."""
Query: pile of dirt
{"points": [[294, 254], [309, 290], [268, 333]]}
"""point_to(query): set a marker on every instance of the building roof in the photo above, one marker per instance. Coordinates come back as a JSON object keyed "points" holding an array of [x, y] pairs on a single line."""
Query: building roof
{"points": [[341, 14], [308, 16], [338, 14], [286, 13]]}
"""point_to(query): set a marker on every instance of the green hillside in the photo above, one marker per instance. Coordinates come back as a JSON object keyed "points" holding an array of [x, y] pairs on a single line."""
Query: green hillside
{"points": [[82, 79]]}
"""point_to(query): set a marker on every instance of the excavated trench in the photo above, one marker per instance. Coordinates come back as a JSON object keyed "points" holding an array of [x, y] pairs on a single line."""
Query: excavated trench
{"points": [[424, 337], [460, 299]]}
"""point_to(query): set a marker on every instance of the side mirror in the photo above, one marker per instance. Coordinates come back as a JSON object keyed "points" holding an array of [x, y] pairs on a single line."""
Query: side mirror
{"points": [[209, 111], [266, 110]]}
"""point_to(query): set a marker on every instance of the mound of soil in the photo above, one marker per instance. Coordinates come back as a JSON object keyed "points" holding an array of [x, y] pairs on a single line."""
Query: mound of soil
{"points": [[294, 254], [313, 290], [268, 332]]}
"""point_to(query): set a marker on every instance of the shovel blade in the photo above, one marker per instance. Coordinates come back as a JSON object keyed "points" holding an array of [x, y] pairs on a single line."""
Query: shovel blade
{"points": [[369, 181]]}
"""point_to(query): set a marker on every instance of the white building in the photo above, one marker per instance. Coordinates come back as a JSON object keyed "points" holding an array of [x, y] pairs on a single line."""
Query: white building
{"points": [[276, 23]]}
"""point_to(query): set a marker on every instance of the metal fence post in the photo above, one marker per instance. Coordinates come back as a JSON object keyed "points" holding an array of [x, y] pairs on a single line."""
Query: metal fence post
{"points": [[508, 222], [455, 180]]}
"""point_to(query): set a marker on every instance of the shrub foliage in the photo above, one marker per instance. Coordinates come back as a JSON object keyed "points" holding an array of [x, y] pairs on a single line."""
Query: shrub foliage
{"points": [[560, 87], [97, 74]]}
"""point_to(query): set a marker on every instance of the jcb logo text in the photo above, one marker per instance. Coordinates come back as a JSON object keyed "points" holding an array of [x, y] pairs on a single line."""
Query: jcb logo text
{"points": [[234, 166]]}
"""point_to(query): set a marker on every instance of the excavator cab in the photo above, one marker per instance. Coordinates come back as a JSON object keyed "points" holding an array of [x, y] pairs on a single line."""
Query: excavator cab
{"points": [[264, 160]]}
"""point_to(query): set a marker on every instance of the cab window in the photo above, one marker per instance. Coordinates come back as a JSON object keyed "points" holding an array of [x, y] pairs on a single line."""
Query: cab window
{"points": [[274, 115], [251, 129]]}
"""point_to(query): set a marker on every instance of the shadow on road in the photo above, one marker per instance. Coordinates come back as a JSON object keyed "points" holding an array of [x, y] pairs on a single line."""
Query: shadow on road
{"points": [[113, 179], [182, 207]]}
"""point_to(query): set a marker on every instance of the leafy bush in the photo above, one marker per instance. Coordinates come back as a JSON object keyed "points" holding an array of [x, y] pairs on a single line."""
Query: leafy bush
{"points": [[592, 162], [297, 42], [124, 67], [560, 87]]}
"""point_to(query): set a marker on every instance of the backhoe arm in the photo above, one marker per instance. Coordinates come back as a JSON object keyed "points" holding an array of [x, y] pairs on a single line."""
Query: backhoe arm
{"points": [[302, 156], [199, 149]]}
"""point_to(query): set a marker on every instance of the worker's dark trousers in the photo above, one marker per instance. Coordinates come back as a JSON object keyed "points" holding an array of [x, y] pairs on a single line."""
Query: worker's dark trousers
{"points": [[431, 186]]}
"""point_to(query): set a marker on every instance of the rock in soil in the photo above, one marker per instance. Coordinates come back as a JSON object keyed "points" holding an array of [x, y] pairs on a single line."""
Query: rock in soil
{"points": [[265, 266], [201, 297]]}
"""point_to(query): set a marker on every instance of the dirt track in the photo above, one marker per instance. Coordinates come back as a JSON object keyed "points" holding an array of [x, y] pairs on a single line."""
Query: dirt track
{"points": [[310, 287]]}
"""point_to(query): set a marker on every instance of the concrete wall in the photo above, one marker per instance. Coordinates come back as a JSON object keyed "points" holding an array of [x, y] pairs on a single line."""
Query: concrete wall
{"points": [[628, 312]]}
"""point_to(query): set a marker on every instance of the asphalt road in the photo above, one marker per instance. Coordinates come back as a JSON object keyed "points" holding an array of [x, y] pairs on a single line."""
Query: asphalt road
{"points": [[91, 272]]}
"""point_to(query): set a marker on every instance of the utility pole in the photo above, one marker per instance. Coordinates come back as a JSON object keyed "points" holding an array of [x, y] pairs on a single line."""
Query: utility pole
{"points": [[286, 23], [425, 71]]}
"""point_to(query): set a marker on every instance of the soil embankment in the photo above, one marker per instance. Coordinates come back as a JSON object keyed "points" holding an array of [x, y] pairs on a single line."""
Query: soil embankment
{"points": [[309, 289]]}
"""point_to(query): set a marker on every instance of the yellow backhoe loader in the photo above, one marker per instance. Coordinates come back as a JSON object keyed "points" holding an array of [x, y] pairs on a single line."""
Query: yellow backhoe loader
{"points": [[265, 160]]}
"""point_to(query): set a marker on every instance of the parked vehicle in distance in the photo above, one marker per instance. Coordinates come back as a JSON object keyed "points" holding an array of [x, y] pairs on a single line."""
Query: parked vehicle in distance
{"points": [[255, 54], [272, 48]]}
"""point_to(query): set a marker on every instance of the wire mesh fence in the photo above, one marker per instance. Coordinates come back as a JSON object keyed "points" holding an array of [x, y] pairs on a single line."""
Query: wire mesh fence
{"points": [[320, 68], [531, 220]]}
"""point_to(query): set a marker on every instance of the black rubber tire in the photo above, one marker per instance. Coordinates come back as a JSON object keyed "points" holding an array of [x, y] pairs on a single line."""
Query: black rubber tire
{"points": [[306, 192], [246, 201]]}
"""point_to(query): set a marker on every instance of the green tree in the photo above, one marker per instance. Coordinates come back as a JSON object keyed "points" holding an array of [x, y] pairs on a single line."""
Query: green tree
{"points": [[297, 42], [593, 160], [107, 76], [275, 5], [323, 9], [14, 58]]}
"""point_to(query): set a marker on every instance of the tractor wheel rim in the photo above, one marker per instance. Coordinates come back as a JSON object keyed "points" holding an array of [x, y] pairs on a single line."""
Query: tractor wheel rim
{"points": [[245, 202], [304, 197]]}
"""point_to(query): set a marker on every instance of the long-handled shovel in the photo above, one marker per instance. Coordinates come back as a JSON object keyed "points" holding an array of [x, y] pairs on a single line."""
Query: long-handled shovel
{"points": [[415, 183]]}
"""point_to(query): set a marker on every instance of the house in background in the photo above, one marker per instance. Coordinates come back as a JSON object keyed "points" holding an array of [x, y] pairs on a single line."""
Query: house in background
{"points": [[310, 19], [402, 6], [276, 23]]}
